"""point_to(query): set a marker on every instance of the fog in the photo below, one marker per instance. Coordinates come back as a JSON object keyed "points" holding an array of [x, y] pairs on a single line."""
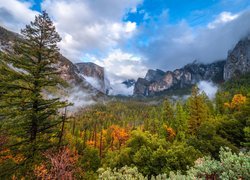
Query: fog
{"points": [[209, 88]]}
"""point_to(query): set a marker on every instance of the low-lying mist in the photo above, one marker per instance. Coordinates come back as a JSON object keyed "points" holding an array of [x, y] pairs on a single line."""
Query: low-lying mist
{"points": [[209, 88], [76, 97]]}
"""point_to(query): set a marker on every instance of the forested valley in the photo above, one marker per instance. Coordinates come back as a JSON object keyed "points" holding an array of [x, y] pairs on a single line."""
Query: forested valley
{"points": [[119, 138]]}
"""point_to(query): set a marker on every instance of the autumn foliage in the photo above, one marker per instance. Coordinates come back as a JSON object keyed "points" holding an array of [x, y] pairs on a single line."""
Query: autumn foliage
{"points": [[170, 132], [61, 165], [237, 101], [119, 135]]}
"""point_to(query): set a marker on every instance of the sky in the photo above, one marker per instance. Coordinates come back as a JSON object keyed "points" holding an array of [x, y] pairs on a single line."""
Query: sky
{"points": [[128, 37]]}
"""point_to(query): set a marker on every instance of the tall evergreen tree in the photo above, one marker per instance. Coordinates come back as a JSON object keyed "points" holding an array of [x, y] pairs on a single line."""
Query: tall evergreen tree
{"points": [[167, 112], [25, 113], [181, 121], [198, 110]]}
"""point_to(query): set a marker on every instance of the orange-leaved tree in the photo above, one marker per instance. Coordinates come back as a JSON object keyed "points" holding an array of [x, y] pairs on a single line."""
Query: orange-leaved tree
{"points": [[237, 102]]}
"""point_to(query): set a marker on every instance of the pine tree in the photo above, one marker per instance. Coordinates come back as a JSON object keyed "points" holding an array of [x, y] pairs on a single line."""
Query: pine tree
{"points": [[198, 110], [181, 123], [167, 112], [26, 114]]}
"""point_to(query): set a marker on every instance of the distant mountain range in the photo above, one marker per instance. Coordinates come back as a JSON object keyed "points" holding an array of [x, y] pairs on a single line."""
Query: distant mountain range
{"points": [[91, 77], [158, 81]]}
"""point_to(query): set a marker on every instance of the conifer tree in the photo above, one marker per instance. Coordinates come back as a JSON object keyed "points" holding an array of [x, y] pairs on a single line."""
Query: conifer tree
{"points": [[167, 112], [181, 119], [198, 110], [26, 114]]}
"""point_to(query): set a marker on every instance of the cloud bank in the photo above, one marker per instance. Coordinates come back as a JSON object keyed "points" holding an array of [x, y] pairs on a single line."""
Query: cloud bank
{"points": [[14, 14], [172, 46], [89, 26], [121, 89]]}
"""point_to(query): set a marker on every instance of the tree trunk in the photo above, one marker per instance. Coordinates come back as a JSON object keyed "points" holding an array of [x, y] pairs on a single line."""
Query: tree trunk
{"points": [[62, 129], [100, 153], [95, 138]]}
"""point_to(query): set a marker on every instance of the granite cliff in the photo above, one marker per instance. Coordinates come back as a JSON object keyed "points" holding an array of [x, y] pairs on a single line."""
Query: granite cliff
{"points": [[236, 63], [157, 81], [95, 75], [238, 60]]}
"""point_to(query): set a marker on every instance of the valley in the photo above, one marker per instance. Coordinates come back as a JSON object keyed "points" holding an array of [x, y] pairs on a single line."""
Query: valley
{"points": [[67, 119]]}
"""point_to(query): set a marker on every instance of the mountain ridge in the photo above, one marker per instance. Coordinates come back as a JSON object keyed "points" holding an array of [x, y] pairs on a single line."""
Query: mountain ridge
{"points": [[91, 77], [156, 81], [237, 63]]}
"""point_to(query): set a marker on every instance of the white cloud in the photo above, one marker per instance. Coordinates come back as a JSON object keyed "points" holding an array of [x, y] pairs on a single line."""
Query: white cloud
{"points": [[130, 27], [14, 14], [94, 82], [172, 46], [121, 89], [222, 18], [120, 66], [91, 25], [133, 10]]}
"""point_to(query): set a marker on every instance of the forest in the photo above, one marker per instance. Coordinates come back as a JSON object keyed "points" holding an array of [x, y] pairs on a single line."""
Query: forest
{"points": [[161, 138]]}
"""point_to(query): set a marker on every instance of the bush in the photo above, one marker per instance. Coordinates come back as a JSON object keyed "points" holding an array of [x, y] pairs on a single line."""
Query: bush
{"points": [[125, 173], [230, 166]]}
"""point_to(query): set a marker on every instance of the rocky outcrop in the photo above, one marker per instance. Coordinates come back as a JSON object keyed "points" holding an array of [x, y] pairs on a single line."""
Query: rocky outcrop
{"points": [[157, 81], [7, 39], [238, 60], [95, 75], [154, 74], [141, 87], [68, 71], [237, 63]]}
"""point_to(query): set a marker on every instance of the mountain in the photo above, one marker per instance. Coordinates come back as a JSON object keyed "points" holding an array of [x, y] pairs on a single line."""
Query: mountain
{"points": [[157, 81], [91, 78], [95, 75], [7, 39], [238, 60]]}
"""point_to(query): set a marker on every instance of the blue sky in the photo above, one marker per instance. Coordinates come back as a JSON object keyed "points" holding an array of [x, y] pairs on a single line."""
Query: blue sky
{"points": [[128, 37], [195, 12], [36, 5], [177, 9]]}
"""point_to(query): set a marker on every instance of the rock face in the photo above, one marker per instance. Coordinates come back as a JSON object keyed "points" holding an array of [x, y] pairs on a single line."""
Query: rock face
{"points": [[95, 75], [238, 60], [154, 74], [141, 87], [68, 71], [6, 39], [157, 81]]}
